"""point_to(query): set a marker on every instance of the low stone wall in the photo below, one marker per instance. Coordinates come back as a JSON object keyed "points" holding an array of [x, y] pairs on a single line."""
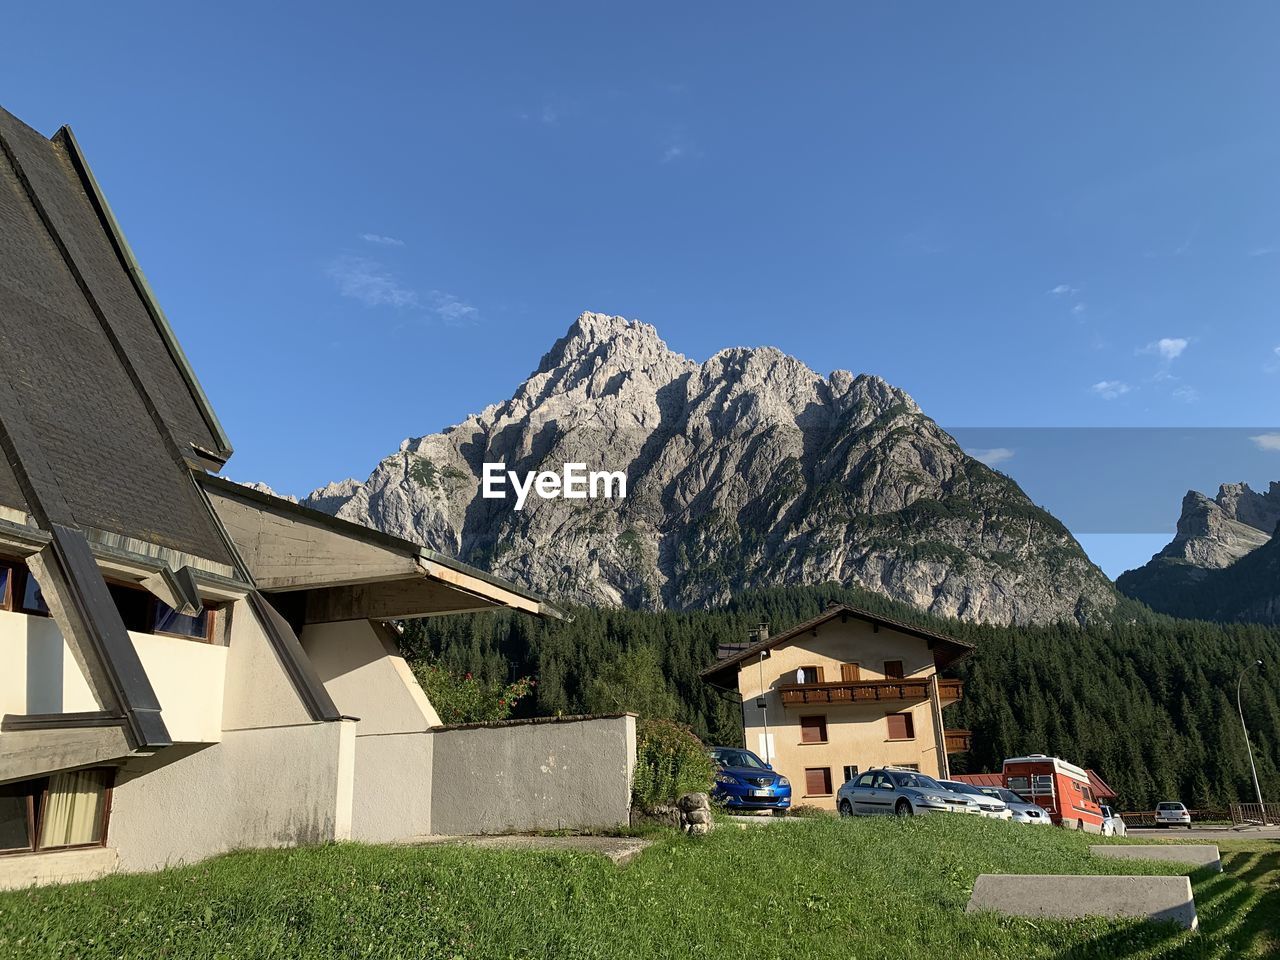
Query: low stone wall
{"points": [[550, 773]]}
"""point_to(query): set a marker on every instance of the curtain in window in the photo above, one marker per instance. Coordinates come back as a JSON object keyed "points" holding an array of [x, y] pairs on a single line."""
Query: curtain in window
{"points": [[73, 809]]}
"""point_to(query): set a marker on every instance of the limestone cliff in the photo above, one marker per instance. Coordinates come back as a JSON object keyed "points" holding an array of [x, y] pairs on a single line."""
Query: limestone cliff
{"points": [[748, 469]]}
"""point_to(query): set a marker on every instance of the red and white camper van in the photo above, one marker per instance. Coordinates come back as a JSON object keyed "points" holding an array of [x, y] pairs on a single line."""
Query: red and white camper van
{"points": [[1060, 787]]}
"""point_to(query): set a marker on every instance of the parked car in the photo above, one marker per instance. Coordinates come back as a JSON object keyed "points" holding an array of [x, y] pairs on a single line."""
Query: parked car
{"points": [[994, 807], [1022, 811], [1171, 813], [1112, 825], [902, 792], [745, 782]]}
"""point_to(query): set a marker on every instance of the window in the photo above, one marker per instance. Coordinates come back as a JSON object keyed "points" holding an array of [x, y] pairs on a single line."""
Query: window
{"points": [[849, 672], [139, 610], [850, 772], [32, 598], [809, 675], [817, 781], [56, 812], [893, 669], [901, 726], [813, 729], [170, 621], [865, 779]]}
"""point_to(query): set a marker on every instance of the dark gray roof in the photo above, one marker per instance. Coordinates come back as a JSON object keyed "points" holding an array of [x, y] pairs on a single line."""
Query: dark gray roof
{"points": [[94, 380]]}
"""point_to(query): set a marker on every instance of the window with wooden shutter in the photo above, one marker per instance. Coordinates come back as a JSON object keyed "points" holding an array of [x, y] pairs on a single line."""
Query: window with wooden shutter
{"points": [[893, 669], [813, 729], [901, 726], [817, 781], [809, 675], [849, 672]]}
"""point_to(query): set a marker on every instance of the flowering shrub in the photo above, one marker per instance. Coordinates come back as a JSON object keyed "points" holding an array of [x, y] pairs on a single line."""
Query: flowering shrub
{"points": [[467, 699], [670, 761]]}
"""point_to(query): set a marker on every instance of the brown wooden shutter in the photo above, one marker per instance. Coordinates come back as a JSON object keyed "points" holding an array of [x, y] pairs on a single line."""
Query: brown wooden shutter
{"points": [[813, 729], [817, 781], [849, 672], [893, 669], [901, 726], [821, 678]]}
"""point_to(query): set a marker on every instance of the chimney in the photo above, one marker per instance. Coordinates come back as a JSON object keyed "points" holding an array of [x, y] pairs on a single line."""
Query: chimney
{"points": [[762, 631]]}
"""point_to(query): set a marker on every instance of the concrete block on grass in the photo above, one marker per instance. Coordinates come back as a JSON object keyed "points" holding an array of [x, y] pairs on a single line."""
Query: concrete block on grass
{"points": [[1197, 855], [1165, 899]]}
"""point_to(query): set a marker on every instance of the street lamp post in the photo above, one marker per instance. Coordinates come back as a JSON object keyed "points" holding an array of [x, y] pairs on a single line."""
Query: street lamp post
{"points": [[1262, 810]]}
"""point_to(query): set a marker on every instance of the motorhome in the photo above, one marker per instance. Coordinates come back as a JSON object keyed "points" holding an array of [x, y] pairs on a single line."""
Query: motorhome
{"points": [[1061, 788]]}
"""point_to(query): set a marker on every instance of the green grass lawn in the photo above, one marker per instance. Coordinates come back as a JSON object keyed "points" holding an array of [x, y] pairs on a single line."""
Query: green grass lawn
{"points": [[874, 888]]}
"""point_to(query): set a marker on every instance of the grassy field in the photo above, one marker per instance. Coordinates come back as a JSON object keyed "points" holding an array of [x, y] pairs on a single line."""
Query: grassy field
{"points": [[879, 888]]}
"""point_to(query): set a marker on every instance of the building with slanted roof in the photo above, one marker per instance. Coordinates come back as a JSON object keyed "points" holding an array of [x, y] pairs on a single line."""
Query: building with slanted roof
{"points": [[188, 666], [843, 692]]}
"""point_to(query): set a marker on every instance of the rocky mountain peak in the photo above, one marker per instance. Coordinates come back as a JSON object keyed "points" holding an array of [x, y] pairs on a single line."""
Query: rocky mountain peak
{"points": [[747, 470]]}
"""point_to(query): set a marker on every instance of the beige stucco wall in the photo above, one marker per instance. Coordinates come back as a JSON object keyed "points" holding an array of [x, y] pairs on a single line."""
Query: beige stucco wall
{"points": [[64, 866], [258, 691], [392, 793], [266, 787], [38, 673], [188, 678], [367, 678], [533, 776], [857, 734]]}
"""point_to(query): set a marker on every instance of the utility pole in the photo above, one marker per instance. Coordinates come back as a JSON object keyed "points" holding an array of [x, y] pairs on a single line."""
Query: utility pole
{"points": [[1262, 810]]}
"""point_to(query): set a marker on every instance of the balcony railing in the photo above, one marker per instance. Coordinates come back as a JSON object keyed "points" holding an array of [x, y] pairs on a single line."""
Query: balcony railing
{"points": [[865, 691], [958, 741]]}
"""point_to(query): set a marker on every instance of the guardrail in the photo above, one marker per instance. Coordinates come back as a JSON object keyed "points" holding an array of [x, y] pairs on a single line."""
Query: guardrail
{"points": [[1147, 818], [1263, 814]]}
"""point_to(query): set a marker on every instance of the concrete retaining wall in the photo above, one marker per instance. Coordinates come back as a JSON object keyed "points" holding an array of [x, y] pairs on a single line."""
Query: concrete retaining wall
{"points": [[392, 799], [268, 787], [547, 774], [1197, 855], [1166, 899]]}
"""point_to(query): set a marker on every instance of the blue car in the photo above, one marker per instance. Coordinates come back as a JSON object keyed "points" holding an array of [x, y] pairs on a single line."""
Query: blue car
{"points": [[745, 782]]}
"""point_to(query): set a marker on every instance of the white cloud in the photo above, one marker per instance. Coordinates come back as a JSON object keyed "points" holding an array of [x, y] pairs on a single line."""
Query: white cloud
{"points": [[676, 151], [1169, 348], [380, 240], [1268, 442], [453, 311], [1263, 251], [368, 281], [1063, 289], [1186, 393], [993, 456], [1110, 389], [1078, 309]]}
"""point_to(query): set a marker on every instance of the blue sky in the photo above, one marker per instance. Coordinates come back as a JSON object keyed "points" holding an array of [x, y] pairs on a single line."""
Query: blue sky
{"points": [[1024, 215]]}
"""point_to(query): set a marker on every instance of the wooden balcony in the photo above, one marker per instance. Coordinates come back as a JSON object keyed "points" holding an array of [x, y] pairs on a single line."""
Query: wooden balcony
{"points": [[865, 691], [958, 741]]}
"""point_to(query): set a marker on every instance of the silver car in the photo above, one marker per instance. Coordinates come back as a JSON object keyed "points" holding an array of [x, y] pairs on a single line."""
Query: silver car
{"points": [[1022, 811], [898, 791], [1172, 814], [992, 807]]}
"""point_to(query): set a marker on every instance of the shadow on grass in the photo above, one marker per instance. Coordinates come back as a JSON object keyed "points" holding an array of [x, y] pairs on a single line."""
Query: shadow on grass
{"points": [[1239, 911]]}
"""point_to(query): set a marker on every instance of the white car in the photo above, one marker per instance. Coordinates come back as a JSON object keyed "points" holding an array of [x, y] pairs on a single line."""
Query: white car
{"points": [[992, 807], [1172, 814], [1112, 824]]}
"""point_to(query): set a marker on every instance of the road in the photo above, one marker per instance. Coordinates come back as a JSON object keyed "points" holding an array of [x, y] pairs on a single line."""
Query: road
{"points": [[1205, 833]]}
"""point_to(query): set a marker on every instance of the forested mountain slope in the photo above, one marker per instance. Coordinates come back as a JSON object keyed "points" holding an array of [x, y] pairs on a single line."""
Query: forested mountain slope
{"points": [[1145, 699]]}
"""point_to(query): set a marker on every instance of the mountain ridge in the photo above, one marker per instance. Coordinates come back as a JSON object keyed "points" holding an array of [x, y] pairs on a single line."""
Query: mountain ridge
{"points": [[747, 469]]}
